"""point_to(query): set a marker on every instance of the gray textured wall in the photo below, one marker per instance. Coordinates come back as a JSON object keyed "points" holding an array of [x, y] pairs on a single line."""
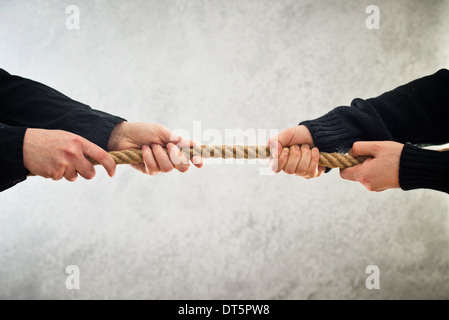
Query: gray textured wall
{"points": [[223, 231]]}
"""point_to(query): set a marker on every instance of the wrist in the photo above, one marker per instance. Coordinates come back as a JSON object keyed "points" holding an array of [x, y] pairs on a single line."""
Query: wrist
{"points": [[117, 135], [305, 134]]}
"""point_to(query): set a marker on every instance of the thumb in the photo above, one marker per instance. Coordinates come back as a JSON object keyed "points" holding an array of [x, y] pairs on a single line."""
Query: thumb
{"points": [[101, 156], [181, 142], [283, 139], [364, 148]]}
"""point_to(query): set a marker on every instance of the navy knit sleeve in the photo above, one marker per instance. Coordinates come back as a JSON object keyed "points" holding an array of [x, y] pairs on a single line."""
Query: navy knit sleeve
{"points": [[414, 113]]}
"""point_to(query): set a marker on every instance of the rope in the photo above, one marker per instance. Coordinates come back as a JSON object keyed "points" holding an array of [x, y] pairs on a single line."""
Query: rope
{"points": [[330, 160]]}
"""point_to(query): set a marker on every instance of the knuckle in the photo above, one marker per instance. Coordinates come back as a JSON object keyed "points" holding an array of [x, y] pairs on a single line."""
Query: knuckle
{"points": [[103, 156], [75, 141], [295, 152], [167, 168], [72, 178], [183, 169], [91, 174], [70, 151], [57, 175]]}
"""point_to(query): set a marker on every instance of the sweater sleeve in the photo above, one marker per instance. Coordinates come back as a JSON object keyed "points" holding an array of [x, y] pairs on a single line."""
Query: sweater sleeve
{"points": [[26, 103], [12, 170], [416, 113], [422, 168]]}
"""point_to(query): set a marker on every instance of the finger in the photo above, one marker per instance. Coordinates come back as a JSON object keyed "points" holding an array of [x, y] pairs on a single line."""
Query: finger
{"points": [[304, 162], [58, 174], [293, 159], [275, 147], [140, 167], [277, 165], [313, 170], [85, 169], [321, 169], [70, 175], [150, 165], [364, 148], [350, 173], [162, 159], [180, 161], [197, 161], [95, 152]]}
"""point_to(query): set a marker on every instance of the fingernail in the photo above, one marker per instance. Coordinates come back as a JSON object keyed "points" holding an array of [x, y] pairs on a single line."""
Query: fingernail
{"points": [[285, 150], [274, 152], [296, 147], [154, 145], [196, 160]]}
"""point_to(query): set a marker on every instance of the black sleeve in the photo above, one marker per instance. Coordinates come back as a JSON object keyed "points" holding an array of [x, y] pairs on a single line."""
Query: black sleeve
{"points": [[12, 170], [416, 113], [28, 104]]}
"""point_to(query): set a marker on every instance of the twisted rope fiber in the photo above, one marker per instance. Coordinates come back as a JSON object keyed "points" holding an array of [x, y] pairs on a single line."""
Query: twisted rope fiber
{"points": [[330, 160]]}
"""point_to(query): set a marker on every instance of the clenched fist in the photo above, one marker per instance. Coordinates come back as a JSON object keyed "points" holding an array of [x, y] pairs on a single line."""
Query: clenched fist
{"points": [[294, 153], [151, 138], [381, 170], [59, 154]]}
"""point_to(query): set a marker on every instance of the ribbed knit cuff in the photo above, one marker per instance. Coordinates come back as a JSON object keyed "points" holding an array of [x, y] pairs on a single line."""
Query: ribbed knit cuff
{"points": [[421, 168], [329, 134]]}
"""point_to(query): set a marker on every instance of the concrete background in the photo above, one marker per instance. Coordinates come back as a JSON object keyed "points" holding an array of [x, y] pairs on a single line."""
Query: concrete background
{"points": [[225, 231]]}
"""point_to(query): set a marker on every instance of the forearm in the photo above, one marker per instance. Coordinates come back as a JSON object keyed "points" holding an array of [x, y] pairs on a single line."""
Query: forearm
{"points": [[24, 102], [415, 112]]}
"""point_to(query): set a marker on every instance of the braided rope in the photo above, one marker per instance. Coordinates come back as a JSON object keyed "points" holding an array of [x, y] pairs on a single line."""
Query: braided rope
{"points": [[330, 160]]}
